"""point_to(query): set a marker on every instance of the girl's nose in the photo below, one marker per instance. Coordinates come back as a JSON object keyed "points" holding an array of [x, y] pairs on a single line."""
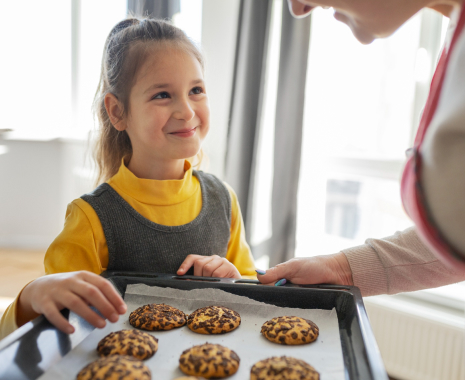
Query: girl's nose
{"points": [[183, 110], [299, 9]]}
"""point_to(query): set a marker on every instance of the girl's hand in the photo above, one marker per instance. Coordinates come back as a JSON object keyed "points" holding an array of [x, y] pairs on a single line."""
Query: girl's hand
{"points": [[209, 266], [76, 291], [329, 269]]}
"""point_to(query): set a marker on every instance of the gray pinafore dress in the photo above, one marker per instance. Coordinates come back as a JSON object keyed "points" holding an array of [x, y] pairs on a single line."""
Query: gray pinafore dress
{"points": [[138, 244]]}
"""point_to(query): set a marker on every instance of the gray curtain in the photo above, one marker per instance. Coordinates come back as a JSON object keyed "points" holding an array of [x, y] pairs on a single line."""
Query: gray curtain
{"points": [[244, 121], [161, 9], [246, 99]]}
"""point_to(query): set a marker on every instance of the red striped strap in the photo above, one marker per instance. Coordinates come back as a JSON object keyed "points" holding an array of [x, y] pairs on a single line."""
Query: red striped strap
{"points": [[411, 189]]}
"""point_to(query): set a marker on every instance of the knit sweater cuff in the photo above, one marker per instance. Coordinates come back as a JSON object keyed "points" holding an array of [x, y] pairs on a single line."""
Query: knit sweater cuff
{"points": [[368, 272]]}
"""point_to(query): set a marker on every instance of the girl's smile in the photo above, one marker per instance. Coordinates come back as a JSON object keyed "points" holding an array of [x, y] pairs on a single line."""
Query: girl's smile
{"points": [[184, 133]]}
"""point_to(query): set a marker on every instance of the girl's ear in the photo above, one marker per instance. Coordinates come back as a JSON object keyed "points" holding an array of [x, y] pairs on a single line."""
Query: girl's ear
{"points": [[115, 112]]}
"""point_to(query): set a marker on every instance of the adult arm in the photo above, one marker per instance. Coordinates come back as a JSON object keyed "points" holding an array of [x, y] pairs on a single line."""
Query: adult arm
{"points": [[398, 263]]}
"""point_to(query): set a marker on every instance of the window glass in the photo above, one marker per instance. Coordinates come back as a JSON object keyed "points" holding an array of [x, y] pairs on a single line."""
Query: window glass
{"points": [[359, 115], [96, 21], [52, 65], [189, 19], [35, 69], [359, 97]]}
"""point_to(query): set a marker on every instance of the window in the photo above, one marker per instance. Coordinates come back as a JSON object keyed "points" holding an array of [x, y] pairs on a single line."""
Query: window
{"points": [[35, 67], [361, 113], [92, 21], [189, 19], [53, 51], [362, 110], [361, 116]]}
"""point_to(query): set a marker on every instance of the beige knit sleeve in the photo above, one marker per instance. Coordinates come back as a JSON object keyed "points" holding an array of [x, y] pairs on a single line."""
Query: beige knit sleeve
{"points": [[398, 263]]}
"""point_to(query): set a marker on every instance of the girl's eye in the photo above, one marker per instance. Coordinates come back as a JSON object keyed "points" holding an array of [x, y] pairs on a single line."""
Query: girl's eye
{"points": [[161, 95], [197, 91]]}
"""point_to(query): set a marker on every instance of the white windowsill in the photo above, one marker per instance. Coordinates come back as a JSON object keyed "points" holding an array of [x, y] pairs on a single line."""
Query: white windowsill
{"points": [[419, 308], [46, 136], [450, 296]]}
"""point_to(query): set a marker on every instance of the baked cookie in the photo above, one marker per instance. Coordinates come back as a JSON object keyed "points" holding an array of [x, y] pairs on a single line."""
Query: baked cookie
{"points": [[115, 368], [138, 344], [209, 360], [155, 317], [290, 330], [213, 320], [189, 378], [283, 368]]}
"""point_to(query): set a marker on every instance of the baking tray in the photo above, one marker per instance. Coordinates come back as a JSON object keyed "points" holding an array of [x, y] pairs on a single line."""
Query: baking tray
{"points": [[35, 347]]}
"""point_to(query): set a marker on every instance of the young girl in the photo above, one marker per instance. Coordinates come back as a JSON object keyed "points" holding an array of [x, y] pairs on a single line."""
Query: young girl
{"points": [[154, 213]]}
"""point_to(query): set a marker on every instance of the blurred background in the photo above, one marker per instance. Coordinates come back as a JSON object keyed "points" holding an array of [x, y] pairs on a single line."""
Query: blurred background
{"points": [[360, 106]]}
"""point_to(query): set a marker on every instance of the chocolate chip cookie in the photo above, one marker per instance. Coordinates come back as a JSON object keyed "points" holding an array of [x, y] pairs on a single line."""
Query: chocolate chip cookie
{"points": [[115, 368], [213, 320], [189, 378], [156, 317], [283, 368], [209, 360], [290, 330], [138, 344]]}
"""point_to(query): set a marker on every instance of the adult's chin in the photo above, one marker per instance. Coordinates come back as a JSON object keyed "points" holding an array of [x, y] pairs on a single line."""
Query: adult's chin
{"points": [[361, 35]]}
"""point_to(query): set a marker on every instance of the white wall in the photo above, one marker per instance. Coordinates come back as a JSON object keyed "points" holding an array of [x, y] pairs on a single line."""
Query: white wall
{"points": [[31, 211]]}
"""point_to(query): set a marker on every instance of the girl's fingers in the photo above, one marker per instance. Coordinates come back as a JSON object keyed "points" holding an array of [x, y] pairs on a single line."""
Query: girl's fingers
{"points": [[81, 307], [222, 270], [92, 295], [211, 266], [208, 266], [187, 263], [110, 294], [200, 264], [54, 316], [226, 269]]}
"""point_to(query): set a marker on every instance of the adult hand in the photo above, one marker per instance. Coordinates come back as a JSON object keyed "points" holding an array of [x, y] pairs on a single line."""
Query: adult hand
{"points": [[329, 269], [209, 266], [76, 291]]}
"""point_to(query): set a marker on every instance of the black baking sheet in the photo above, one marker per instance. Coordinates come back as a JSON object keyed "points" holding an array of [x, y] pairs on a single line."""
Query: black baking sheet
{"points": [[39, 346]]}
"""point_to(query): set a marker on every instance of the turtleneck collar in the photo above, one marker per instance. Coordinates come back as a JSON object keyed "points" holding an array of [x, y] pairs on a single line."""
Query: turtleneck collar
{"points": [[155, 192]]}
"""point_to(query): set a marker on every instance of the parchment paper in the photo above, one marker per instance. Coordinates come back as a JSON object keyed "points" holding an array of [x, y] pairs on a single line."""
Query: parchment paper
{"points": [[325, 354]]}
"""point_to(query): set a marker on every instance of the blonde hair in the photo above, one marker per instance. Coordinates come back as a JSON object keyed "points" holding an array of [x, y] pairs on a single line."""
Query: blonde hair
{"points": [[124, 52]]}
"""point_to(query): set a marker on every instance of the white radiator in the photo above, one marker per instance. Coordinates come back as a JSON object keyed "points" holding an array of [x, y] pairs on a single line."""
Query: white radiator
{"points": [[417, 341]]}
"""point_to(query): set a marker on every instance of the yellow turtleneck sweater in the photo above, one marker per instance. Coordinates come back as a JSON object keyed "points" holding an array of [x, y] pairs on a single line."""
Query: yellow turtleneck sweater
{"points": [[82, 244]]}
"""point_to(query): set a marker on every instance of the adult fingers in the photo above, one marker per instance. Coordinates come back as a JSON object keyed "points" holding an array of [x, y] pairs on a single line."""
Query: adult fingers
{"points": [[187, 263], [109, 293], [53, 315], [285, 270]]}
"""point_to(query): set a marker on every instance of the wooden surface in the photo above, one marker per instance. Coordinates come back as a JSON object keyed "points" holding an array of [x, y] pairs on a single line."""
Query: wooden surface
{"points": [[17, 268]]}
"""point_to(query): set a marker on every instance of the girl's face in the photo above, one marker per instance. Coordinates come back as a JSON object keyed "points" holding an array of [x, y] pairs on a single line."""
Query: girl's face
{"points": [[368, 19], [168, 116]]}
